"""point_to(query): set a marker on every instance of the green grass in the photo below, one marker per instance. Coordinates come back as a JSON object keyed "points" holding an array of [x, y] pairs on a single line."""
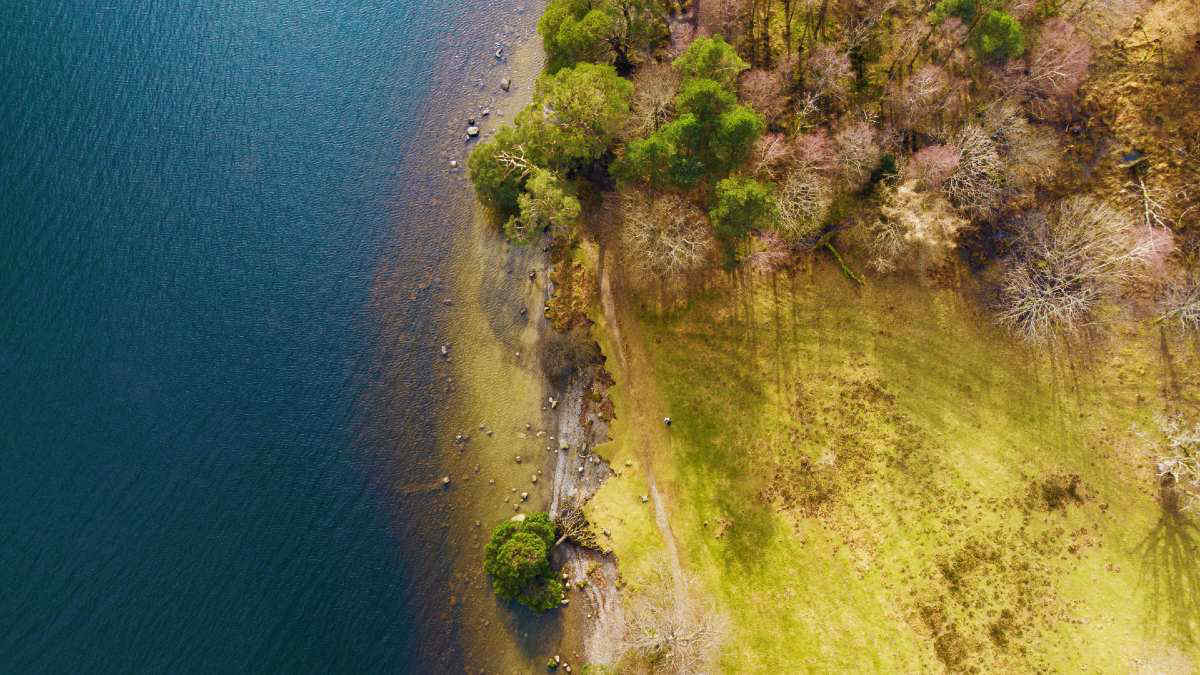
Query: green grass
{"points": [[876, 479]]}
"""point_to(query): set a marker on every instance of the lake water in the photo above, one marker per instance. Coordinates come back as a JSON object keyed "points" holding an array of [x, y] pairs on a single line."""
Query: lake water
{"points": [[215, 427]]}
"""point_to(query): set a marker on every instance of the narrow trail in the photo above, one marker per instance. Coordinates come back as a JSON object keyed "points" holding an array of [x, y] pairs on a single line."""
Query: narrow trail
{"points": [[646, 411]]}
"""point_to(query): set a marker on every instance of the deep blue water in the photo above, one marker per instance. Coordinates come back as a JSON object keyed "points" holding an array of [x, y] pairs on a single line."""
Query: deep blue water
{"points": [[196, 198]]}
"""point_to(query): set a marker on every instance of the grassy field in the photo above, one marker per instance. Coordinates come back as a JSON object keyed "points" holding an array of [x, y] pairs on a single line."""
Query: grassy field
{"points": [[877, 479]]}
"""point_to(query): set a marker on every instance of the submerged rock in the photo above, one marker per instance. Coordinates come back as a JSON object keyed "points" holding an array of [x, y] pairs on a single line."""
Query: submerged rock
{"points": [[505, 84]]}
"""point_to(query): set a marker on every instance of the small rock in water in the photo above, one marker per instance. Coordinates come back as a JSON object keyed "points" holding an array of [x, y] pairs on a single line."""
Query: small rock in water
{"points": [[533, 479], [499, 54], [472, 131], [518, 459], [454, 164], [445, 480], [470, 121], [485, 112], [581, 471], [645, 499], [505, 84], [445, 350], [553, 403], [524, 496]]}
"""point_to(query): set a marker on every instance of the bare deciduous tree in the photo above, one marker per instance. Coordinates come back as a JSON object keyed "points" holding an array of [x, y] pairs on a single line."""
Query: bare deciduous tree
{"points": [[975, 184], [763, 90], [917, 100], [947, 42], [932, 165], [772, 155], [802, 205], [857, 152], [816, 152], [830, 75], [769, 252], [1181, 304], [916, 230], [1066, 264], [1178, 465], [653, 101], [674, 632], [1058, 64], [665, 236]]}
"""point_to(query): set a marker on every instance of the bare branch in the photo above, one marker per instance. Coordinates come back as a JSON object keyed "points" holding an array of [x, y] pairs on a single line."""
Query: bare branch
{"points": [[1182, 304], [675, 632], [1067, 264], [665, 236]]}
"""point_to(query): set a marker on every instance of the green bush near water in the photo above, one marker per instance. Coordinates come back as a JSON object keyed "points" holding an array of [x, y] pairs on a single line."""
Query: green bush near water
{"points": [[518, 560]]}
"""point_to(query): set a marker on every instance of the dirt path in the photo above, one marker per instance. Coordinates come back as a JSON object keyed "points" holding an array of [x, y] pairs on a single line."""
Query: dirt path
{"points": [[646, 411]]}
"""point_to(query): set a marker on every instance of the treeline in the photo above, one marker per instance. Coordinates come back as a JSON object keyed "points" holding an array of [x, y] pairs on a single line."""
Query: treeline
{"points": [[915, 137]]}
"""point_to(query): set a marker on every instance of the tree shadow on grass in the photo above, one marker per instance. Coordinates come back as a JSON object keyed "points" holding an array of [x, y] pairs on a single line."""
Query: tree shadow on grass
{"points": [[1171, 572]]}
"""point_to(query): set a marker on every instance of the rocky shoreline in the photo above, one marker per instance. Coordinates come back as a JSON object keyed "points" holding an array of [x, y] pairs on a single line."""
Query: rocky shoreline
{"points": [[497, 318]]}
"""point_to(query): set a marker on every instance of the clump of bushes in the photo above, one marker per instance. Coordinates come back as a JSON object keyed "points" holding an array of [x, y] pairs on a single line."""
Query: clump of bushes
{"points": [[517, 558]]}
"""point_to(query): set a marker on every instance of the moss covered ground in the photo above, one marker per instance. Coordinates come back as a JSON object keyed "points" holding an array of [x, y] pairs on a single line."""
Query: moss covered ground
{"points": [[876, 479]]}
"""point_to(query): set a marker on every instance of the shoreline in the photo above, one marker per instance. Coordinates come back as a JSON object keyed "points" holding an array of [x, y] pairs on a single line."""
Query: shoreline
{"points": [[497, 434]]}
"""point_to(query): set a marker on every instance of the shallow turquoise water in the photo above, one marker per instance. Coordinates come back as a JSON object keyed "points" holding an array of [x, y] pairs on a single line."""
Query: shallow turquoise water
{"points": [[203, 419]]}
